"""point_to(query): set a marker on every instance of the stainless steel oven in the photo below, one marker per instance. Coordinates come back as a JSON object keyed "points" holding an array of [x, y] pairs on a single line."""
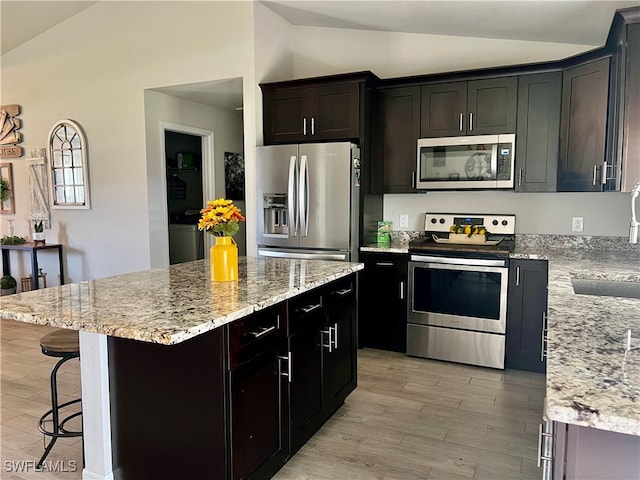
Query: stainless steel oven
{"points": [[457, 298]]}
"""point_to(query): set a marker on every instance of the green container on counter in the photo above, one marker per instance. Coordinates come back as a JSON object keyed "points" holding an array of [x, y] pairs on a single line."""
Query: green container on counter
{"points": [[384, 232]]}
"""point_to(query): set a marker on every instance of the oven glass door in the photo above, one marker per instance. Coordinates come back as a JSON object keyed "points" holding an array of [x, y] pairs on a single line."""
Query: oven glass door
{"points": [[469, 297]]}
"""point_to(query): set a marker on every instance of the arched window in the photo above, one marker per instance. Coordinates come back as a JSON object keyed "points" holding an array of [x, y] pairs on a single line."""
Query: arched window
{"points": [[69, 166]]}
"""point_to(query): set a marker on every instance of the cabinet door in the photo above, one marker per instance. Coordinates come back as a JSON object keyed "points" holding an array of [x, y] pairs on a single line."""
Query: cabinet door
{"points": [[399, 130], [339, 356], [538, 134], [383, 309], [491, 106], [526, 315], [443, 110], [631, 122], [305, 385], [257, 414], [283, 113], [333, 112], [583, 127]]}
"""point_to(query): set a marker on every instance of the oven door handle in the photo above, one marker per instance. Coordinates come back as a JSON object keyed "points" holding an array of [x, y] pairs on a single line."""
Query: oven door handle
{"points": [[474, 262]]}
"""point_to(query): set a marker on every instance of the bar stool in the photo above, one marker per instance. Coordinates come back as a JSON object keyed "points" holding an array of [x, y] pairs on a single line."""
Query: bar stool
{"points": [[65, 345]]}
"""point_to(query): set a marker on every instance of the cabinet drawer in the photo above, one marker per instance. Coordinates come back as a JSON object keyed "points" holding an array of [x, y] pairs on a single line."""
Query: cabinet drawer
{"points": [[395, 263], [340, 291], [251, 335], [304, 309]]}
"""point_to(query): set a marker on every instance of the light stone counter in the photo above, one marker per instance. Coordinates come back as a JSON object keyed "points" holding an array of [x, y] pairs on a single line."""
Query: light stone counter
{"points": [[170, 305], [589, 381]]}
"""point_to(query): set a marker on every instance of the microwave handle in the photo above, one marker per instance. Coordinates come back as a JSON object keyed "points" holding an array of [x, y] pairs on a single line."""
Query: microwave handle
{"points": [[494, 161]]}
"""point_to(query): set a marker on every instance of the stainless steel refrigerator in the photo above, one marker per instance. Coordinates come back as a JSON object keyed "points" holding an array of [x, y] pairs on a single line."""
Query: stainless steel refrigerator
{"points": [[308, 200]]}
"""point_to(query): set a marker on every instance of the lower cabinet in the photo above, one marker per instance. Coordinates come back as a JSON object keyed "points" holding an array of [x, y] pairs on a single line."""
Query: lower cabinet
{"points": [[526, 315], [582, 453], [239, 401], [383, 305]]}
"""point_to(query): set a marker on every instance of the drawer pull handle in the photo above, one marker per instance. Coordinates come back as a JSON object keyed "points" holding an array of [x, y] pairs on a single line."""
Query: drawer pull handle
{"points": [[289, 374], [308, 308], [263, 331], [342, 293], [384, 264]]}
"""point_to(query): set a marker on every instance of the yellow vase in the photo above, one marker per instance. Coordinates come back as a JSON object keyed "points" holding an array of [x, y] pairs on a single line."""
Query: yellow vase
{"points": [[224, 260]]}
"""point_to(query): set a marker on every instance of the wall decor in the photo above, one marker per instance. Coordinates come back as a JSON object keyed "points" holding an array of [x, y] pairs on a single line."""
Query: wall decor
{"points": [[6, 188], [234, 176], [10, 137], [69, 168], [38, 187]]}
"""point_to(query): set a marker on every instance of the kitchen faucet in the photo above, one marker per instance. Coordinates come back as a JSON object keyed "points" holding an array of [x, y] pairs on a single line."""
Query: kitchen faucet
{"points": [[633, 229]]}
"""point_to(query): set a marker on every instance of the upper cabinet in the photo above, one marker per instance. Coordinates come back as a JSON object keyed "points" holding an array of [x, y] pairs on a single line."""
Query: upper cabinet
{"points": [[583, 128], [537, 136], [397, 137], [631, 115], [313, 110], [477, 107]]}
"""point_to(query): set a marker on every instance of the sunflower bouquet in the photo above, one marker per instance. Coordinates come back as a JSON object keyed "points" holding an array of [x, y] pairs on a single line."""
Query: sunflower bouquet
{"points": [[220, 218]]}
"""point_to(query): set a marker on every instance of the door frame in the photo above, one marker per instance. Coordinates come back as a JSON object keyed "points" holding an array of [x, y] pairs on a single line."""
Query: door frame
{"points": [[208, 171]]}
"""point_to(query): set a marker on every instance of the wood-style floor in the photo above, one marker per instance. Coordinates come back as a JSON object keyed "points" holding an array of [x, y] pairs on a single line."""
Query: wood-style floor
{"points": [[408, 419]]}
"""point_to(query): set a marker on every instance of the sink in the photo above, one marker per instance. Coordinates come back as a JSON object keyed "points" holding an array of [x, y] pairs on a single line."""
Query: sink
{"points": [[608, 288]]}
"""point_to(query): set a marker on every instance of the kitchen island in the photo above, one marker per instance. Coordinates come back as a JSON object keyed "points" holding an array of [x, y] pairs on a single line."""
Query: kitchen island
{"points": [[187, 378]]}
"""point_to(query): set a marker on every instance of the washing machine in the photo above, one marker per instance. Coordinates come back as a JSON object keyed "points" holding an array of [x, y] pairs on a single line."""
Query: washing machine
{"points": [[186, 243]]}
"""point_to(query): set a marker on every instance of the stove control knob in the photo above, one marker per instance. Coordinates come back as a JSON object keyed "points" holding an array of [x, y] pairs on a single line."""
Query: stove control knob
{"points": [[433, 220], [442, 220], [495, 222], [504, 222]]}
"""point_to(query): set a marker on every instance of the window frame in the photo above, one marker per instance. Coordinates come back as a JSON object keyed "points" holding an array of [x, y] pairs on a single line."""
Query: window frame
{"points": [[84, 159]]}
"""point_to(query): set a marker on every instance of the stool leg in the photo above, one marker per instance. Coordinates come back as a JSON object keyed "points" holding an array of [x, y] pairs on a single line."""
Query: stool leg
{"points": [[54, 408]]}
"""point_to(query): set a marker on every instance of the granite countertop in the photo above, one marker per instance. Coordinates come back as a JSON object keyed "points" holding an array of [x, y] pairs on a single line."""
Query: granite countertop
{"points": [[590, 381], [172, 304]]}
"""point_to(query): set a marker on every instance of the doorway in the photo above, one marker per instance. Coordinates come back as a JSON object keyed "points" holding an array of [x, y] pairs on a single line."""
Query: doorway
{"points": [[183, 160]]}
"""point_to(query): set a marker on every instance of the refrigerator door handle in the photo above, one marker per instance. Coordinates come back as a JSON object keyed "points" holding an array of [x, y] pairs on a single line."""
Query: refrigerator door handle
{"points": [[291, 208], [303, 196]]}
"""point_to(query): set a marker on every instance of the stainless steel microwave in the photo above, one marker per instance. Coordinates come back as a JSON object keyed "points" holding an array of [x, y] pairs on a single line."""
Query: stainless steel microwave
{"points": [[471, 162]]}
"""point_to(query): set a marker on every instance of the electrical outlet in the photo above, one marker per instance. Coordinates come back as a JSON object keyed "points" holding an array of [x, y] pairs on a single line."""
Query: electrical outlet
{"points": [[404, 221], [577, 224]]}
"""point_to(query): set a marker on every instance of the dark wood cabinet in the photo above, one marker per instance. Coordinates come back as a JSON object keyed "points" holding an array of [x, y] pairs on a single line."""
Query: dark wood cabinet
{"points": [[383, 311], [630, 140], [310, 114], [526, 315], [259, 440], [168, 418], [306, 319], [476, 107], [257, 396], [538, 132], [339, 356], [583, 127], [397, 137]]}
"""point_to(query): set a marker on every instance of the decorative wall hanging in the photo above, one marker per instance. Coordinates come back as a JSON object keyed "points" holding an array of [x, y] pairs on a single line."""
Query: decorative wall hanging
{"points": [[38, 187], [234, 176], [9, 134], [6, 188], [69, 166]]}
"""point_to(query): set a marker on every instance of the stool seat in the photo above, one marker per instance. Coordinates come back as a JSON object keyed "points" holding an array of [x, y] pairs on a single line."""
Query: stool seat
{"points": [[60, 343], [66, 345]]}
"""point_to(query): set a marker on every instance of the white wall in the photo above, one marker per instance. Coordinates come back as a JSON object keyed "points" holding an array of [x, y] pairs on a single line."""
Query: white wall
{"points": [[606, 214], [324, 51], [227, 129], [94, 68]]}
